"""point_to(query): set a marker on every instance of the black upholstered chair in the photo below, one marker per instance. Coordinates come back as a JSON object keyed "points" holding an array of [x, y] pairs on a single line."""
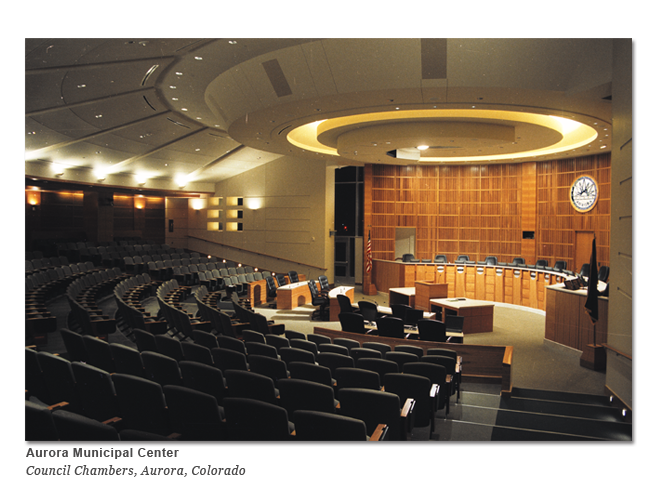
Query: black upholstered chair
{"points": [[321, 426], [432, 330], [334, 361], [204, 378], [299, 394], [142, 404], [161, 369], [253, 385], [374, 407], [379, 365], [195, 415], [390, 327], [349, 377], [352, 322], [440, 259], [318, 299], [273, 368], [254, 420], [417, 387]]}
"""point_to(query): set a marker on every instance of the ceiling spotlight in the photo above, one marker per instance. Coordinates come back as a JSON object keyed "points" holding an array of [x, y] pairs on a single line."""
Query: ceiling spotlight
{"points": [[422, 147]]}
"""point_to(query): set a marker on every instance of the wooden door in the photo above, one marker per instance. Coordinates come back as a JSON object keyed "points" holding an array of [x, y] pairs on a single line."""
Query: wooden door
{"points": [[583, 241]]}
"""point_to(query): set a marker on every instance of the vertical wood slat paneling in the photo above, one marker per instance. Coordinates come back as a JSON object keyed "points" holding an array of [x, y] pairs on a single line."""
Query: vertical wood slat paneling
{"points": [[483, 210]]}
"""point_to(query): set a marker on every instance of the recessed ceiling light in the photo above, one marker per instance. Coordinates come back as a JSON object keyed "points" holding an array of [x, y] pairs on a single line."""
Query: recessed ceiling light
{"points": [[422, 147], [232, 42], [175, 99], [198, 58], [179, 73], [184, 109], [173, 87]]}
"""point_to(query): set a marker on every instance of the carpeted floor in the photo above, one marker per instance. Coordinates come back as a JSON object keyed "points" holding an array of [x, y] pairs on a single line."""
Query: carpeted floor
{"points": [[537, 363]]}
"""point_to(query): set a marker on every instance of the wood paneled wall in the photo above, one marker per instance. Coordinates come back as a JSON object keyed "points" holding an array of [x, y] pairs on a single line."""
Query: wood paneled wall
{"points": [[482, 210], [558, 221]]}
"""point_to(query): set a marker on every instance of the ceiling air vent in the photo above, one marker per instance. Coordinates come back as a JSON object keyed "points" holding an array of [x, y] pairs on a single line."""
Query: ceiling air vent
{"points": [[148, 74], [148, 103], [178, 123], [280, 132]]}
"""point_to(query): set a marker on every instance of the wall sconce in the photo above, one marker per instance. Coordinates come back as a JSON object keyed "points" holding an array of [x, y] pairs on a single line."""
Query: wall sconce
{"points": [[197, 203], [181, 180], [140, 179], [254, 203], [33, 198], [58, 169], [140, 202], [99, 174]]}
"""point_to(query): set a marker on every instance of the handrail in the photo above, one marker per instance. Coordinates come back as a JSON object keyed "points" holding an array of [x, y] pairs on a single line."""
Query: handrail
{"points": [[256, 253], [618, 352]]}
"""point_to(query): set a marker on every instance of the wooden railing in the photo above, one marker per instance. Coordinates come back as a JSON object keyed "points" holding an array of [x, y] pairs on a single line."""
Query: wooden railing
{"points": [[256, 253]]}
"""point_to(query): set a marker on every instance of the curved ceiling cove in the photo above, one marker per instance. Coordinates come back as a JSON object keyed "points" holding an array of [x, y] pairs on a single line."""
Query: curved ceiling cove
{"points": [[184, 114]]}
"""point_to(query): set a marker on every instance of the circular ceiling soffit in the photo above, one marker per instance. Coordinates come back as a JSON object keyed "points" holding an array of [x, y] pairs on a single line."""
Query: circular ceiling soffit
{"points": [[452, 135]]}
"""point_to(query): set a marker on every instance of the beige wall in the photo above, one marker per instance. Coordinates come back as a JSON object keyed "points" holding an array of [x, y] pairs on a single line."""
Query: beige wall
{"points": [[176, 209], [288, 211], [620, 319]]}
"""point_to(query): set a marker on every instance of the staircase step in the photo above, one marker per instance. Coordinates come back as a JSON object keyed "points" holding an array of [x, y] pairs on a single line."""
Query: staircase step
{"points": [[571, 397], [558, 424], [554, 407]]}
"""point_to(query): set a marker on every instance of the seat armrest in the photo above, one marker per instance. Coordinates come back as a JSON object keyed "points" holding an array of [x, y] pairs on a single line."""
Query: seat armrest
{"points": [[380, 433], [407, 418]]}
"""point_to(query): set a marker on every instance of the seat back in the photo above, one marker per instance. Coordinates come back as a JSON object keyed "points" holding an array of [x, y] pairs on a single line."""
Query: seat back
{"points": [[292, 354], [161, 369], [253, 385], [127, 360], [373, 408], [95, 391], [369, 310], [406, 385], [322, 426], [141, 404], [345, 304], [432, 330], [349, 377], [299, 394], [311, 372], [453, 324], [379, 365], [197, 353], [277, 341], [271, 367], [204, 378], [293, 276], [415, 350], [331, 347], [401, 358], [254, 420], [228, 359], [351, 322], [194, 414], [258, 348], [390, 327], [334, 360]]}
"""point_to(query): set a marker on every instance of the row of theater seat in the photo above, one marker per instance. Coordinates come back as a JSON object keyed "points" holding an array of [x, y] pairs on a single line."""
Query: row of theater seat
{"points": [[91, 397], [161, 366]]}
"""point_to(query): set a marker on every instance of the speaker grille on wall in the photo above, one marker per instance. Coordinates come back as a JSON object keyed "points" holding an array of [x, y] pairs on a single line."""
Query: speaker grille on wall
{"points": [[434, 58], [277, 78]]}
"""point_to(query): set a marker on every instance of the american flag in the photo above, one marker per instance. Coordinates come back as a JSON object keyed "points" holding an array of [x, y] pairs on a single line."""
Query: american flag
{"points": [[369, 254]]}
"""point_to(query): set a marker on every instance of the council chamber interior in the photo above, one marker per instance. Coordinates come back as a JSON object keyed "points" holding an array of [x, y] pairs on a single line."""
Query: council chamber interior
{"points": [[328, 239]]}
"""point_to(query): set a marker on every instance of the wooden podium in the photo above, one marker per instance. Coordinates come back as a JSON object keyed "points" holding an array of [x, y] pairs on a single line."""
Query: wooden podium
{"points": [[425, 291]]}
